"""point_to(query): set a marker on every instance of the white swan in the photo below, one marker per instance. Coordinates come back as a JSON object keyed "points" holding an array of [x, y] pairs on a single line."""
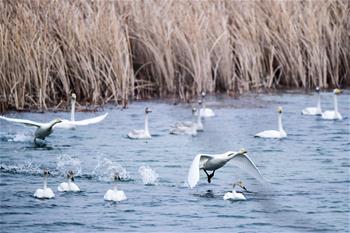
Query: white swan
{"points": [[333, 115], [213, 162], [280, 133], [141, 133], [72, 123], [45, 192], [69, 186], [187, 128], [234, 195], [314, 111], [115, 194], [43, 129], [205, 112], [197, 123]]}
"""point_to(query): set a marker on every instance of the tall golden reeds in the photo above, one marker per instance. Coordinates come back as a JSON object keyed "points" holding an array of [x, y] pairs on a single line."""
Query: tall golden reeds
{"points": [[121, 50]]}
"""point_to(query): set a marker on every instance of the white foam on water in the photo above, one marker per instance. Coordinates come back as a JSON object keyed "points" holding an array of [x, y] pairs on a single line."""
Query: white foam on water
{"points": [[148, 175], [105, 170], [20, 137], [66, 163]]}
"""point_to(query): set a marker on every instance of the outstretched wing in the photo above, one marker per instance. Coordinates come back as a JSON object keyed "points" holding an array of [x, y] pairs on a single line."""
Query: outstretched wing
{"points": [[67, 124], [193, 173], [22, 121], [91, 120], [246, 164]]}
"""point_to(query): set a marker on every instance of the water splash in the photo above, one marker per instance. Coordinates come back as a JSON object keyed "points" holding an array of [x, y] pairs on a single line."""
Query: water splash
{"points": [[28, 168], [149, 176], [106, 168], [66, 163], [18, 137]]}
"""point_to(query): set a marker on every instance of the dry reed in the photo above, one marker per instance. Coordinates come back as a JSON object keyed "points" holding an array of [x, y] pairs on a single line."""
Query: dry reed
{"points": [[122, 50]]}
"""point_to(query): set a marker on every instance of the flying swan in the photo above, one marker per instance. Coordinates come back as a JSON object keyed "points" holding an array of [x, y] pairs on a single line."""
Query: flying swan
{"points": [[208, 162], [68, 186], [333, 115], [280, 133], [314, 111], [234, 195], [115, 194], [141, 133], [43, 129], [45, 192], [72, 123]]}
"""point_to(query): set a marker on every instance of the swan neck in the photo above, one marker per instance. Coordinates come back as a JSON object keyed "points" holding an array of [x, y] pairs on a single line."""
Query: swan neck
{"points": [[234, 188], [199, 119], [72, 111], [335, 103], [45, 182], [146, 123], [280, 126], [319, 101]]}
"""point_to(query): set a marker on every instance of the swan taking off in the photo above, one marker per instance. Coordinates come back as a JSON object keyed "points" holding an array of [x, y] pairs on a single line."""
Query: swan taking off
{"points": [[187, 128], [43, 129], [205, 112], [72, 123], [234, 195], [45, 192], [280, 133], [213, 162], [68, 186], [333, 115], [314, 111], [141, 133], [115, 194]]}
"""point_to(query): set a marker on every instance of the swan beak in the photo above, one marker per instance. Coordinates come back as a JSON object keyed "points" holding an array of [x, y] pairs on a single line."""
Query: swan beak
{"points": [[279, 110], [73, 178], [243, 187], [242, 151]]}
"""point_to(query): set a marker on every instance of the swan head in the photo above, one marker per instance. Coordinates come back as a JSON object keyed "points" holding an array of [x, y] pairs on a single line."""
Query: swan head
{"points": [[240, 184], [194, 110], [148, 110], [279, 109], [231, 154], [116, 177], [58, 120], [46, 172], [74, 97], [337, 91], [317, 89], [200, 102], [203, 94], [70, 175]]}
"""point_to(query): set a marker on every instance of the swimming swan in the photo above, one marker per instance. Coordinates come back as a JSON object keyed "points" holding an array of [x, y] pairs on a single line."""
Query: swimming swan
{"points": [[69, 186], [205, 112], [45, 192], [197, 123], [72, 123], [188, 128], [314, 111], [208, 162], [234, 195], [43, 129], [333, 115], [115, 194], [142, 133], [280, 133]]}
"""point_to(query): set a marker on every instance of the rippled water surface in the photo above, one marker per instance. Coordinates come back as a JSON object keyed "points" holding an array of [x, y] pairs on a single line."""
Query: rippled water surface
{"points": [[308, 171]]}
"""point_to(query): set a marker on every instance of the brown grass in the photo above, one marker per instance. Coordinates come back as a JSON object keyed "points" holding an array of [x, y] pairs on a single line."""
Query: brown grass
{"points": [[122, 50]]}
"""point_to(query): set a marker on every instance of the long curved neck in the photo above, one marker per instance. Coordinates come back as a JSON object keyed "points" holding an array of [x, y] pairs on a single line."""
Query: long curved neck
{"points": [[234, 188], [335, 103], [72, 111], [199, 119], [280, 126], [53, 123], [45, 182], [146, 123], [319, 101]]}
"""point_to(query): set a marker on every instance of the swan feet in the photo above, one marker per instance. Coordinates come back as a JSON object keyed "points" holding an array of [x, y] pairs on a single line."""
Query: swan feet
{"points": [[209, 176]]}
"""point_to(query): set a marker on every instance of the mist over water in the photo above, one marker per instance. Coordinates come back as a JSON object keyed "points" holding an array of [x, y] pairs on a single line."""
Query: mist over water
{"points": [[308, 171]]}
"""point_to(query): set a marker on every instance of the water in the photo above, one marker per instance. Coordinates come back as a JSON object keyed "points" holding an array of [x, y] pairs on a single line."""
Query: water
{"points": [[308, 171]]}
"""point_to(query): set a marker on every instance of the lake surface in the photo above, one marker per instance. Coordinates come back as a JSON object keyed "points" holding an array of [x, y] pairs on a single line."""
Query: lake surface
{"points": [[308, 171]]}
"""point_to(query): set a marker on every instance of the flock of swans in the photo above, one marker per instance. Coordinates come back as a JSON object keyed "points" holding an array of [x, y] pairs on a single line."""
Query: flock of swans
{"points": [[206, 162]]}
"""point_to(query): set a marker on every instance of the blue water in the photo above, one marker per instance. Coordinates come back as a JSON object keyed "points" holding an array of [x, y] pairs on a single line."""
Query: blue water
{"points": [[308, 171]]}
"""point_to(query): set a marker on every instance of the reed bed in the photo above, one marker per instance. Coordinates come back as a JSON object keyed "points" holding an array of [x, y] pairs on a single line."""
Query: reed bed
{"points": [[122, 50]]}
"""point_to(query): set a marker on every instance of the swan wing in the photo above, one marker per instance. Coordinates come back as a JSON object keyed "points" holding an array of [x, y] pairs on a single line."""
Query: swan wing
{"points": [[246, 164], [269, 134], [22, 121], [91, 120], [193, 173]]}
